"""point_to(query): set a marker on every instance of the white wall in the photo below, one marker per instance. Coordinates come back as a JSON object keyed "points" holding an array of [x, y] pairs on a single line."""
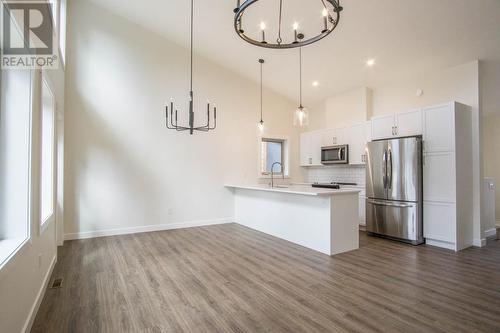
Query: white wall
{"points": [[124, 169], [491, 139], [348, 108]]}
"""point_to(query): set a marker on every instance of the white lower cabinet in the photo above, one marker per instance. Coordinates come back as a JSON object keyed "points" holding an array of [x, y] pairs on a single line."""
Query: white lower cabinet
{"points": [[440, 229]]}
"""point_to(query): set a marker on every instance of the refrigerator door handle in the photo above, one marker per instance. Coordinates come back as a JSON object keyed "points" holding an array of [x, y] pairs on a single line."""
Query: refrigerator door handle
{"points": [[384, 168], [390, 204], [389, 170]]}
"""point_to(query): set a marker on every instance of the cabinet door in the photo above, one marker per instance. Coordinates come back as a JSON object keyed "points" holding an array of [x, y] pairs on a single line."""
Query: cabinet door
{"points": [[357, 143], [315, 147], [383, 127], [409, 123], [362, 209], [305, 149], [439, 129], [439, 221], [343, 135], [439, 177], [329, 137]]}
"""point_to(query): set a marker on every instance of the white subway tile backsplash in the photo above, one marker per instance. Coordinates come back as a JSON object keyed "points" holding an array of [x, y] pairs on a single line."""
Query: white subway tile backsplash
{"points": [[338, 173]]}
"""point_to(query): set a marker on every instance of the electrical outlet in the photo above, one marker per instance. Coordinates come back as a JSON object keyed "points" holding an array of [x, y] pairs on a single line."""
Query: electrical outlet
{"points": [[39, 260], [169, 211]]}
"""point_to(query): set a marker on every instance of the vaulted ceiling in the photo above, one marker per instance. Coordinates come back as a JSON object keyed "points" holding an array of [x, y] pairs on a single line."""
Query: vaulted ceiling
{"points": [[405, 37]]}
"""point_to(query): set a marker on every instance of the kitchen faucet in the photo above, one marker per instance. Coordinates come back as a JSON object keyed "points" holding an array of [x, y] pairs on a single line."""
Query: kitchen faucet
{"points": [[272, 172]]}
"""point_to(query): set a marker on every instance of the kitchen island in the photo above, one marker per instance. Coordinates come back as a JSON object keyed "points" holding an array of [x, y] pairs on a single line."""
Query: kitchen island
{"points": [[325, 220]]}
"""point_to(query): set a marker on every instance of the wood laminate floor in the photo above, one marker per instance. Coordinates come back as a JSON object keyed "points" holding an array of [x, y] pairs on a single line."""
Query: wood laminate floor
{"points": [[228, 278]]}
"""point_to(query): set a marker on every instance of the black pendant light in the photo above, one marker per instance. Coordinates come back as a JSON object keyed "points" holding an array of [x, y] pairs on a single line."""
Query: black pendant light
{"points": [[330, 10], [260, 125], [173, 124]]}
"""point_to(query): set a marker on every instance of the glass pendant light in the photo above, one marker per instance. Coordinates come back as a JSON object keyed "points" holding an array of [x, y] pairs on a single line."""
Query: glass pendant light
{"points": [[301, 116], [260, 125]]}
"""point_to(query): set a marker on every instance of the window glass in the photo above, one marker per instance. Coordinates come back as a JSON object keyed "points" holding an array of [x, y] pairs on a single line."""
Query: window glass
{"points": [[47, 156], [272, 151], [15, 147]]}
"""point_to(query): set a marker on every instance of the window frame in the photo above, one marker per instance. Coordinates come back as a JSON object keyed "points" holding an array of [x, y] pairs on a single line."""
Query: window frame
{"points": [[45, 222], [285, 155], [264, 163]]}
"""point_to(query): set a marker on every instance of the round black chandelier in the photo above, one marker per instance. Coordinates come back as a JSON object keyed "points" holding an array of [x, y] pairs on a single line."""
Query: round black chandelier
{"points": [[331, 17]]}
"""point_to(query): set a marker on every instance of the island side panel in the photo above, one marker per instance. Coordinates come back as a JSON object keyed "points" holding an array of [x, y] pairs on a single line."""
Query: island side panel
{"points": [[300, 219], [345, 223]]}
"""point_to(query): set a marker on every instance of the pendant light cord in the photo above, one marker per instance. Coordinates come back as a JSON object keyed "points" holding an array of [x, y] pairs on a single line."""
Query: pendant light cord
{"points": [[279, 25], [300, 76], [261, 91], [192, 15]]}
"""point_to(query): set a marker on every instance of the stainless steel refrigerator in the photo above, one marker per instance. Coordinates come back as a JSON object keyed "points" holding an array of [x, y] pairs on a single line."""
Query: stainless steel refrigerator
{"points": [[394, 189]]}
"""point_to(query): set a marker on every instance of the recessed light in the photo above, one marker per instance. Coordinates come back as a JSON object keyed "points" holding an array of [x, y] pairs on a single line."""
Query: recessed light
{"points": [[315, 83], [370, 62]]}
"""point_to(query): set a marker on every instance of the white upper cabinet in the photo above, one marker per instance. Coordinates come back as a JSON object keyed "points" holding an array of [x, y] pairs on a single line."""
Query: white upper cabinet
{"points": [[316, 143], [439, 129], [310, 148], [343, 135], [305, 143], [397, 125], [329, 138], [383, 127], [357, 144], [409, 123]]}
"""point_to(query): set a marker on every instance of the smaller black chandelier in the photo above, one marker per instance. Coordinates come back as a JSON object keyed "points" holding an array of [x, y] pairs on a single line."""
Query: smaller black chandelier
{"points": [[173, 123], [331, 18]]}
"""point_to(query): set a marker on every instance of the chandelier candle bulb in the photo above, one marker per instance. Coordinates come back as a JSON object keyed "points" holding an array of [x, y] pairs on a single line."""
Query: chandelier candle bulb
{"points": [[325, 20], [295, 28], [263, 28]]}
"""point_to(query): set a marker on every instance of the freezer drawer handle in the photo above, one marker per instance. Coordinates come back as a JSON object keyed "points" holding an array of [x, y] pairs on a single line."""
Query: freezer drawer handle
{"points": [[381, 203]]}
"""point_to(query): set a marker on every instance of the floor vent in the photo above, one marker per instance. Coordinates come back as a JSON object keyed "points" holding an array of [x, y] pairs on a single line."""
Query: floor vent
{"points": [[57, 283]]}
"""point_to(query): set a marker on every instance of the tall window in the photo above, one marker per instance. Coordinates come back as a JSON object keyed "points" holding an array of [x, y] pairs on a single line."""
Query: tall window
{"points": [[48, 154], [272, 150], [15, 156], [62, 29]]}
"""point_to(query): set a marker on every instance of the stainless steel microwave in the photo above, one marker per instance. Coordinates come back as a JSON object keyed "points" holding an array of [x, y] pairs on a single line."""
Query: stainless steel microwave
{"points": [[335, 154]]}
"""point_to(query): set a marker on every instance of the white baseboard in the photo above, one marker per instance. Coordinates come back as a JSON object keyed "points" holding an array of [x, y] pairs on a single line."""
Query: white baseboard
{"points": [[490, 233], [479, 242], [39, 297], [146, 228]]}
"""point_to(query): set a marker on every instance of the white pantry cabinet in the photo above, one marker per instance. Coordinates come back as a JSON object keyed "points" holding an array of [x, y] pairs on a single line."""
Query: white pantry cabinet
{"points": [[448, 198], [310, 148], [402, 124]]}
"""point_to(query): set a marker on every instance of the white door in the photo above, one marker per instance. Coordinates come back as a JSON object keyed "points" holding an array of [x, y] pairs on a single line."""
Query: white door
{"points": [[409, 123], [383, 127], [305, 149], [329, 137], [357, 143]]}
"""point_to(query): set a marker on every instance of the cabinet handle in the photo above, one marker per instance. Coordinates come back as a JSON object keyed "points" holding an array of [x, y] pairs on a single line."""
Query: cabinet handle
{"points": [[310, 160]]}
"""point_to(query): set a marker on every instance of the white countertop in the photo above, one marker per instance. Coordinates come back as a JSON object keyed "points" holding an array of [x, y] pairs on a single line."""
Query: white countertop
{"points": [[296, 189]]}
